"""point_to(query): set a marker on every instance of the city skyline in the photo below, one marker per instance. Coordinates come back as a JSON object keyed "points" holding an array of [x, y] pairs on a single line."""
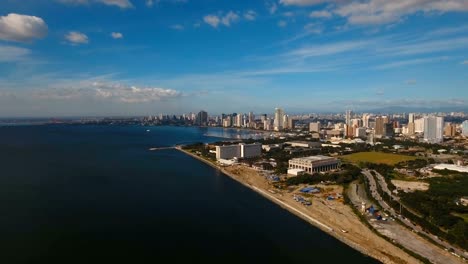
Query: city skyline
{"points": [[128, 57]]}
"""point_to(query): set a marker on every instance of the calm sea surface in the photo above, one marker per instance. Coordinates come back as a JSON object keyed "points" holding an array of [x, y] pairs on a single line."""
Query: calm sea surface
{"points": [[95, 194]]}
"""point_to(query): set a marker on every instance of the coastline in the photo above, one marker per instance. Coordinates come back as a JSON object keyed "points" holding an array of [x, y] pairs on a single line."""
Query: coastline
{"points": [[384, 257]]}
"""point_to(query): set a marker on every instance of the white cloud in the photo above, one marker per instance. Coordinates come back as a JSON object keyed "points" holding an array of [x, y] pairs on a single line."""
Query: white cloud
{"points": [[465, 62], [375, 12], [76, 38], [327, 49], [301, 2], [132, 94], [229, 18], [177, 27], [119, 3], [11, 53], [288, 14], [212, 20], [320, 14], [282, 23], [21, 28], [250, 15], [116, 35]]}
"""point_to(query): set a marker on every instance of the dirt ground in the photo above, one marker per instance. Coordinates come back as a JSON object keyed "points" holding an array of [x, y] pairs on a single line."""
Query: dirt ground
{"points": [[411, 186]]}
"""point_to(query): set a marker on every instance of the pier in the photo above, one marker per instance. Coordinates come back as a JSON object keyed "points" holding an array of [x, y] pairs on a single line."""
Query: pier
{"points": [[162, 148]]}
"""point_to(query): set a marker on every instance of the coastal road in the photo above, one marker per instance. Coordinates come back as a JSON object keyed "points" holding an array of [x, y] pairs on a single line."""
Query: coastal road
{"points": [[400, 234], [415, 228]]}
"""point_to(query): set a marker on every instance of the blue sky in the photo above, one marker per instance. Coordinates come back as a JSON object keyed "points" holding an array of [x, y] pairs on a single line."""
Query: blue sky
{"points": [[134, 57]]}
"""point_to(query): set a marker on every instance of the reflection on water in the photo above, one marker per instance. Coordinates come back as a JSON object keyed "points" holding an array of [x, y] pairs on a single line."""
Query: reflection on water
{"points": [[234, 133]]}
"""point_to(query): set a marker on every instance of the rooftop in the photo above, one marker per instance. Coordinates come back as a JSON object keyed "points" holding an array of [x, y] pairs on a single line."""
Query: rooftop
{"points": [[314, 158]]}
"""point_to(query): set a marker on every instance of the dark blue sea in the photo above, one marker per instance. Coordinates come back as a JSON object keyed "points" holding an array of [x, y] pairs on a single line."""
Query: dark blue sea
{"points": [[95, 194]]}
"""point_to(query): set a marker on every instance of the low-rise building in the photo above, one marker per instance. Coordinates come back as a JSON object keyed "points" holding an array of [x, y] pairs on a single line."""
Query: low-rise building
{"points": [[238, 151], [313, 164], [452, 167], [295, 172], [304, 144]]}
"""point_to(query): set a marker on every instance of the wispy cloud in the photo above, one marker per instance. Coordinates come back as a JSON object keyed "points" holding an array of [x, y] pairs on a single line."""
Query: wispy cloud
{"points": [[282, 23], [401, 63], [177, 27], [321, 14], [228, 18], [76, 38], [465, 62], [12, 54], [250, 15], [116, 35], [118, 3]]}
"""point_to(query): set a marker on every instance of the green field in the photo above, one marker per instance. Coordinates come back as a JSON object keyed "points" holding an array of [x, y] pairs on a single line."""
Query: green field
{"points": [[376, 157]]}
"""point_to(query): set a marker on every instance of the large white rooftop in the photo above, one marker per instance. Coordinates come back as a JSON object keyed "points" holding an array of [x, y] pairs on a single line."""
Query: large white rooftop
{"points": [[314, 158], [451, 167]]}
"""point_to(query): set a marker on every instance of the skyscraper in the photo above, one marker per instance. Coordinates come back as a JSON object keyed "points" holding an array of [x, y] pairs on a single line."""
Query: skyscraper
{"points": [[411, 124], [201, 119], [465, 128], [433, 129], [349, 115], [278, 123], [379, 126]]}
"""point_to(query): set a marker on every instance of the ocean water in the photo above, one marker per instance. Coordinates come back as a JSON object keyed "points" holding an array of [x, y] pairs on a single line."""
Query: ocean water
{"points": [[95, 194]]}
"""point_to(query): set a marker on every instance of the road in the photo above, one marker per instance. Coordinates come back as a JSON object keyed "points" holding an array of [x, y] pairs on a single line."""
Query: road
{"points": [[393, 213]]}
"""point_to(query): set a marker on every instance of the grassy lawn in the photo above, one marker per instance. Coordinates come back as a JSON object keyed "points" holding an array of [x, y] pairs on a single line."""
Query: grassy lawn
{"points": [[464, 216], [376, 157]]}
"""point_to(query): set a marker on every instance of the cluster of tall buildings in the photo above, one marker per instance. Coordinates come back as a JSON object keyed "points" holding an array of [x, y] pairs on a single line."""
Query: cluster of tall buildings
{"points": [[431, 128]]}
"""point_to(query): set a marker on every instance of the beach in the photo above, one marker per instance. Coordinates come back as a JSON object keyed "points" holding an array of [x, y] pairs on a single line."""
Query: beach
{"points": [[332, 217]]}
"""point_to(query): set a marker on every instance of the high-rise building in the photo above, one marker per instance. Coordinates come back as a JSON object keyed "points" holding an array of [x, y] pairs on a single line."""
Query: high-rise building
{"points": [[419, 125], [433, 129], [278, 123], [411, 124], [411, 118], [314, 127], [202, 118], [286, 122], [465, 128], [450, 130], [251, 119], [379, 126], [360, 132], [365, 120], [349, 115]]}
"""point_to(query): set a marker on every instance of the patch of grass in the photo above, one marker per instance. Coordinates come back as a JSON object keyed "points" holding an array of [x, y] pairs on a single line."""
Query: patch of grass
{"points": [[376, 157], [464, 216]]}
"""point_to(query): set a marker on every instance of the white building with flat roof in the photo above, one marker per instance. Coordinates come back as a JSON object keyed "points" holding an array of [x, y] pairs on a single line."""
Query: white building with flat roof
{"points": [[304, 144], [452, 167], [313, 164], [238, 151]]}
